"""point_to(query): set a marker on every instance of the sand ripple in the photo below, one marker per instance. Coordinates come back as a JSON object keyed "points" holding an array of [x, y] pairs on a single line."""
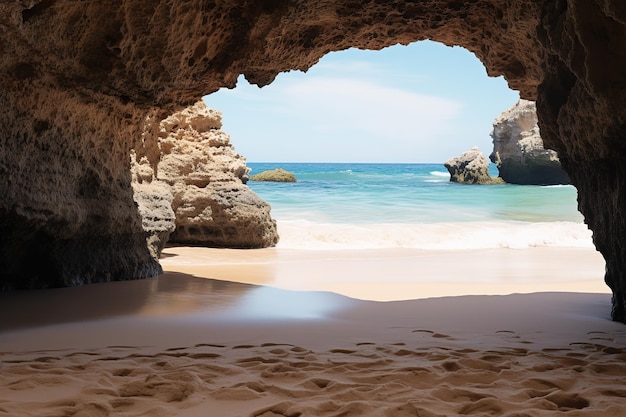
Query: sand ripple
{"points": [[365, 379]]}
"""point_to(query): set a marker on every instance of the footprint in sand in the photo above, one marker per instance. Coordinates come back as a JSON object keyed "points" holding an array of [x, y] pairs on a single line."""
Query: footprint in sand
{"points": [[243, 347], [600, 336], [243, 391], [343, 351], [209, 345], [406, 352], [175, 349], [276, 345], [596, 347], [433, 334], [508, 333], [256, 360], [204, 355], [484, 406], [283, 409], [512, 337], [298, 349], [566, 401]]}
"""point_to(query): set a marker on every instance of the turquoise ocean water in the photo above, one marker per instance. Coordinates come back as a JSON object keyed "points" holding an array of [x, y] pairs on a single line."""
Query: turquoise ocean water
{"points": [[359, 206]]}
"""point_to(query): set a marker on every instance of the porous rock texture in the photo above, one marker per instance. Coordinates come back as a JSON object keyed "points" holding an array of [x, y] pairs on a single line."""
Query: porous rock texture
{"points": [[206, 178], [471, 167], [154, 203], [83, 82], [518, 149]]}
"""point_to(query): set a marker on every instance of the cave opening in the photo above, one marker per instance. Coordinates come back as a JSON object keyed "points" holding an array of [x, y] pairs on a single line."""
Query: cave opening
{"points": [[554, 53], [366, 134]]}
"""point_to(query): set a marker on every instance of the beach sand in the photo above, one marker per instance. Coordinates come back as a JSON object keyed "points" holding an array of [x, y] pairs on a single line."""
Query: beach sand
{"points": [[399, 274], [185, 345]]}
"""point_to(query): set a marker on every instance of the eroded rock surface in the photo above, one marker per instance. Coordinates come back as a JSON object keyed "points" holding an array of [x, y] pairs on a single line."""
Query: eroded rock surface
{"points": [[582, 116], [471, 167], [67, 214], [206, 177], [518, 149], [82, 83], [154, 202]]}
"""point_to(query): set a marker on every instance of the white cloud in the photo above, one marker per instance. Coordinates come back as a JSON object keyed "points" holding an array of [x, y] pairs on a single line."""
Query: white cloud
{"points": [[368, 70], [369, 108], [364, 69]]}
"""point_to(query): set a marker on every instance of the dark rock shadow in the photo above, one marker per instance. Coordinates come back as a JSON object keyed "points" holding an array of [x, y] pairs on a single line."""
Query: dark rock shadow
{"points": [[167, 295]]}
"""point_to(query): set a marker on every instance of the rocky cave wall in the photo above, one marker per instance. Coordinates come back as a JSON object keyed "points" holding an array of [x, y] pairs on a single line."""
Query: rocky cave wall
{"points": [[81, 82], [67, 215], [581, 106]]}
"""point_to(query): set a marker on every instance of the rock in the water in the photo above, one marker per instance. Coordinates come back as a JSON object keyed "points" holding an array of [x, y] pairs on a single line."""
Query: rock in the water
{"points": [[472, 167], [275, 175], [518, 149], [206, 177]]}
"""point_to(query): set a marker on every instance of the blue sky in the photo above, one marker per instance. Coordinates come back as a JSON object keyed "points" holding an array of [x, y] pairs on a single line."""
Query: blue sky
{"points": [[424, 102]]}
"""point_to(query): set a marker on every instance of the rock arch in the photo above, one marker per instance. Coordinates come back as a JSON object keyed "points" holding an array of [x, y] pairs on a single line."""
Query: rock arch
{"points": [[83, 82]]}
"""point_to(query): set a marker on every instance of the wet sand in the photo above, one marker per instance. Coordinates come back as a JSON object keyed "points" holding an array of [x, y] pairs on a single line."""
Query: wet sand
{"points": [[185, 345]]}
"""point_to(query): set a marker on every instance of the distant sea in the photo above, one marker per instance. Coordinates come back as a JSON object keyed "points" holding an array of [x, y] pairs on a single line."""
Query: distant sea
{"points": [[366, 206]]}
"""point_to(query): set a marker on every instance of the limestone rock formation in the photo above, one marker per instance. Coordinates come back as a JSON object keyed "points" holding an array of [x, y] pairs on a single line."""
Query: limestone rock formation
{"points": [[206, 178], [518, 149], [84, 83], [67, 212], [154, 202], [275, 175], [472, 167]]}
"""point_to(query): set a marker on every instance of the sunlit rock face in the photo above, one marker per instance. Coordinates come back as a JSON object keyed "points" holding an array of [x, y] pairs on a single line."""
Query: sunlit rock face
{"points": [[81, 82], [154, 203], [471, 167], [518, 149], [206, 178]]}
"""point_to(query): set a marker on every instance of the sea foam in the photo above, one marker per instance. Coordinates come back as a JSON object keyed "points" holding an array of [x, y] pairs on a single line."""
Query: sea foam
{"points": [[303, 234]]}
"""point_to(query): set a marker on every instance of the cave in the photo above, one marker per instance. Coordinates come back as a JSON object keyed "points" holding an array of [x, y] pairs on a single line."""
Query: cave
{"points": [[84, 84]]}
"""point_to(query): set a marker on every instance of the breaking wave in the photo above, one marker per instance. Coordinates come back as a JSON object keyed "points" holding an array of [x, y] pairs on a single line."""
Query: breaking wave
{"points": [[303, 234]]}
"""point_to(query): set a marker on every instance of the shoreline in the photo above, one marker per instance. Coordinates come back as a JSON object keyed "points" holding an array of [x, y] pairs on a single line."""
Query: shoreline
{"points": [[398, 274]]}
